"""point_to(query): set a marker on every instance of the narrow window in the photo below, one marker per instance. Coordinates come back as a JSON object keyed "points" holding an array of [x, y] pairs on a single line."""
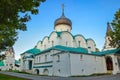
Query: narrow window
{"points": [[81, 57], [66, 43], [79, 43], [58, 58], [44, 46], [52, 43], [59, 70], [45, 58], [39, 59], [95, 58]]}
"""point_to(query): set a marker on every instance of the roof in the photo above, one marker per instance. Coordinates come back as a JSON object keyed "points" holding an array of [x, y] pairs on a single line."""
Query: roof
{"points": [[33, 51], [81, 50], [64, 48], [63, 20], [113, 51], [1, 63], [78, 50]]}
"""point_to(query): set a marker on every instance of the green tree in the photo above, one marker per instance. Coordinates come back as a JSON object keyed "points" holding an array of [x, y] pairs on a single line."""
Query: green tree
{"points": [[97, 50], [2, 56], [13, 17], [115, 33]]}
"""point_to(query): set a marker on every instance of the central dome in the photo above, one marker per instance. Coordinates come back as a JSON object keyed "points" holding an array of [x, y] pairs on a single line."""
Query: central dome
{"points": [[63, 23], [63, 20]]}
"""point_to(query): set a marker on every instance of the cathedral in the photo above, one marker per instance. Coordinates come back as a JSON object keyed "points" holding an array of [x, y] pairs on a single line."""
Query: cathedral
{"points": [[64, 54]]}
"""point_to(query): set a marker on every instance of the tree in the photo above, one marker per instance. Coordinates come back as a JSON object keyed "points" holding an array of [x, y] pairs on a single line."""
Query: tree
{"points": [[2, 56], [13, 17], [115, 33], [97, 50]]}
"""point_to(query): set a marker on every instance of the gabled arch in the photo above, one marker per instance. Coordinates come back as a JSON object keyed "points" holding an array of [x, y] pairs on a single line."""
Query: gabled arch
{"points": [[66, 39], [38, 46], [80, 41], [80, 35], [91, 44], [91, 40]]}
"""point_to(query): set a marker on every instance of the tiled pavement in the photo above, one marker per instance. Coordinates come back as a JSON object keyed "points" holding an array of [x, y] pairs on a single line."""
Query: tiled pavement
{"points": [[36, 77]]}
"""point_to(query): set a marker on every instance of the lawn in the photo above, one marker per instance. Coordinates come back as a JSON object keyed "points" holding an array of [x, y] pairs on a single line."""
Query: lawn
{"points": [[7, 77]]}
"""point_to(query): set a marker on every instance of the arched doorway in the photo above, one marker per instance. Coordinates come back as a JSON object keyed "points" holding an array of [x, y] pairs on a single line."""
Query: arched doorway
{"points": [[109, 63], [37, 71], [45, 72]]}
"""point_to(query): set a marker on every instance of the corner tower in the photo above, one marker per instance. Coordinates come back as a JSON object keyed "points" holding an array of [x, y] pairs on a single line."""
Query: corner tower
{"points": [[63, 23]]}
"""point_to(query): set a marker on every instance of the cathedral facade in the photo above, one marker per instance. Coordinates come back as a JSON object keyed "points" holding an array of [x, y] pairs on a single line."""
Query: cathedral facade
{"points": [[64, 54]]}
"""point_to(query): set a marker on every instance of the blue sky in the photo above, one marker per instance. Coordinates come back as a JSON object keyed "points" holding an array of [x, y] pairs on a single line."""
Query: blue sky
{"points": [[89, 18]]}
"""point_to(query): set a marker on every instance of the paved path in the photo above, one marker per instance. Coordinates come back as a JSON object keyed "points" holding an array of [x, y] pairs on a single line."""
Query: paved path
{"points": [[36, 77]]}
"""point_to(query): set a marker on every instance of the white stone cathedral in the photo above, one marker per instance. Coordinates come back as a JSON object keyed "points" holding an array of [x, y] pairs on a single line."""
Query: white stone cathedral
{"points": [[64, 54]]}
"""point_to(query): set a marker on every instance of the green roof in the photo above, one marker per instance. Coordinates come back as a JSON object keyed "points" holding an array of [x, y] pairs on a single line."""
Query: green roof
{"points": [[33, 51], [82, 50], [69, 49], [113, 51], [1, 63], [64, 48]]}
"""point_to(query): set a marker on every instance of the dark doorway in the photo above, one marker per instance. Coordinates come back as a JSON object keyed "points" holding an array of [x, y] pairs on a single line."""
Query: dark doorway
{"points": [[37, 71], [109, 63], [30, 65]]}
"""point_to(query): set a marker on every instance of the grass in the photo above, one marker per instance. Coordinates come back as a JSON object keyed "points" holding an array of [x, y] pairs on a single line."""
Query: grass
{"points": [[16, 71], [7, 77]]}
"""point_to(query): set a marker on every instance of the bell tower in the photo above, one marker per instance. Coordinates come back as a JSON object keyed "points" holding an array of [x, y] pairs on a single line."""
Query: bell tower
{"points": [[107, 38]]}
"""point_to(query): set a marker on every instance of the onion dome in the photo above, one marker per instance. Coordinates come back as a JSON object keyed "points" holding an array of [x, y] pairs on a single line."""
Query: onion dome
{"points": [[63, 20]]}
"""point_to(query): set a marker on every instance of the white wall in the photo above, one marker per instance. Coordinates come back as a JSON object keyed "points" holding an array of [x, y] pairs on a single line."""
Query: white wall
{"points": [[87, 65], [62, 27], [61, 67]]}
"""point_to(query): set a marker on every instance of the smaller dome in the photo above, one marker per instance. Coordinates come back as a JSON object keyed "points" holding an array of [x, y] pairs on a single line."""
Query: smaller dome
{"points": [[63, 20]]}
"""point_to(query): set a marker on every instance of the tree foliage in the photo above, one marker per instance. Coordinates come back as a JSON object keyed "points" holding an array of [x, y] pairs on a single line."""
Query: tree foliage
{"points": [[115, 33], [13, 17], [2, 56]]}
